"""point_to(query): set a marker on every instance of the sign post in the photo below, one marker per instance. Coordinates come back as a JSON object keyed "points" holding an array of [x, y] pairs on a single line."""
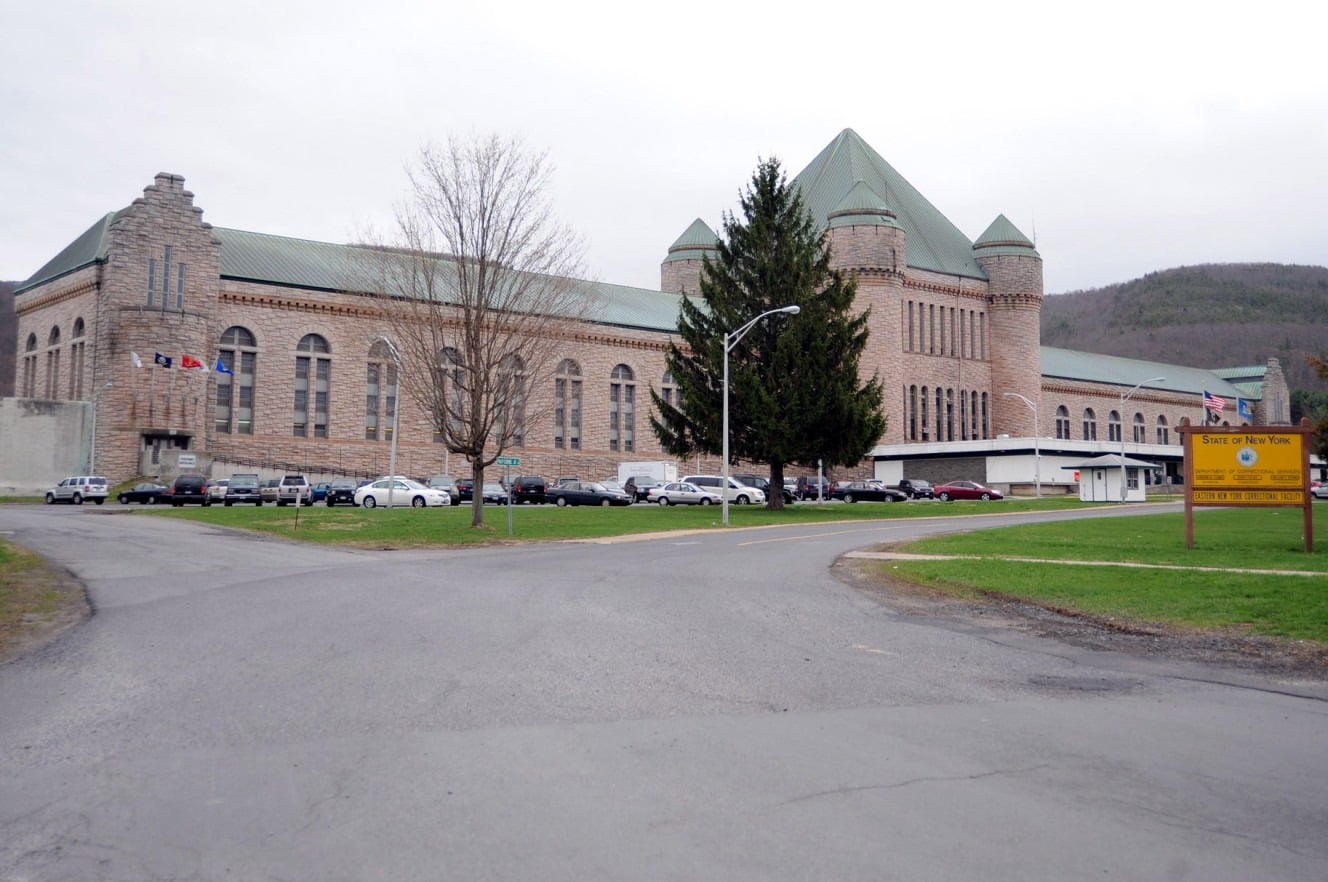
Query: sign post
{"points": [[506, 462], [1247, 466]]}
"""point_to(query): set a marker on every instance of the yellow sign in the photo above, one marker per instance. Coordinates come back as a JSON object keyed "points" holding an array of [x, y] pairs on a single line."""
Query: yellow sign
{"points": [[1248, 497], [1248, 460]]}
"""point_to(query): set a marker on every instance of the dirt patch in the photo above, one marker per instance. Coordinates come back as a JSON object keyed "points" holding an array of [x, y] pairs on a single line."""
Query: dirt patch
{"points": [[38, 602], [1300, 659]]}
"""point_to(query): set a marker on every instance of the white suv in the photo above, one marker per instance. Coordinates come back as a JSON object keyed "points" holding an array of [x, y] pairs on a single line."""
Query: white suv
{"points": [[77, 489], [737, 493]]}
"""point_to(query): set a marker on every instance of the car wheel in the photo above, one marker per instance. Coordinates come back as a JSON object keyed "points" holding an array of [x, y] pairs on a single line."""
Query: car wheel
{"points": [[741, 500], [370, 502], [848, 497], [663, 502], [227, 503], [50, 499], [986, 497], [562, 501], [944, 497], [705, 500], [604, 503], [176, 504], [124, 500], [417, 502], [78, 499], [328, 502]]}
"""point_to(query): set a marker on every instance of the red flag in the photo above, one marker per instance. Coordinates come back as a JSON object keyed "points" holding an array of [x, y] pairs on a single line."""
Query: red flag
{"points": [[188, 361]]}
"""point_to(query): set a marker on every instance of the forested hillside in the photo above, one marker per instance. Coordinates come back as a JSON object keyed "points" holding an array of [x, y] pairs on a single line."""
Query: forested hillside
{"points": [[1211, 316]]}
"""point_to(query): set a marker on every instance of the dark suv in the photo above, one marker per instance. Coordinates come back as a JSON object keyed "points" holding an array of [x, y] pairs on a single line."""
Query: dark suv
{"points": [[916, 488], [528, 488], [806, 487], [763, 484], [190, 488], [243, 489]]}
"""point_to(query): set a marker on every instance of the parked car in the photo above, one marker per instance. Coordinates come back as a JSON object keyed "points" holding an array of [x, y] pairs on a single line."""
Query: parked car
{"points": [[529, 488], [807, 487], [217, 488], [77, 489], [738, 493], [465, 490], [586, 493], [146, 493], [294, 490], [400, 491], [763, 484], [189, 489], [683, 493], [916, 488], [965, 490], [340, 492], [269, 491], [1320, 491], [447, 484], [494, 494], [640, 487], [319, 491], [243, 488], [866, 491]]}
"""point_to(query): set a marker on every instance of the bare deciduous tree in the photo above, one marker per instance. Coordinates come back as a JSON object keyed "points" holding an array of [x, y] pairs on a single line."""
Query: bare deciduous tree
{"points": [[480, 288]]}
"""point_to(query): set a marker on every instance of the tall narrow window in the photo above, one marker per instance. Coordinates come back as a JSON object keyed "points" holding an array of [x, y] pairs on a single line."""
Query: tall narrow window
{"points": [[1163, 433], [922, 416], [1062, 423], [77, 356], [1139, 432], [1090, 424], [53, 364], [28, 389], [949, 415], [1113, 426], [912, 331], [162, 277], [940, 414], [622, 409], [237, 353], [567, 406], [451, 392], [380, 395], [313, 372], [510, 400]]}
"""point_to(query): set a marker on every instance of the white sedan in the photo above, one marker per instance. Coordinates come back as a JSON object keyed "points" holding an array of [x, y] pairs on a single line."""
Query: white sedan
{"points": [[682, 493], [402, 491]]}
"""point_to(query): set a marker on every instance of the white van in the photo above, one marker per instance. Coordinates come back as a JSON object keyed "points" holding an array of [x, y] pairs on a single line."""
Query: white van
{"points": [[739, 494]]}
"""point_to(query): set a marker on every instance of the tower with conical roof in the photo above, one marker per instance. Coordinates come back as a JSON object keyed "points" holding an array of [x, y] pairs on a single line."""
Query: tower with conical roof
{"points": [[680, 273], [1014, 304]]}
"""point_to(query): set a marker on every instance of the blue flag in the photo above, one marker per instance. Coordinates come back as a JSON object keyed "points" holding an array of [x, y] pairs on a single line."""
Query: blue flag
{"points": [[1243, 409], [221, 367], [163, 360]]}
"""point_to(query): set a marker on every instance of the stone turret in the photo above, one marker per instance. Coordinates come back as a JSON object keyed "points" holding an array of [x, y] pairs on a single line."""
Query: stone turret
{"points": [[681, 270], [864, 233], [1014, 307]]}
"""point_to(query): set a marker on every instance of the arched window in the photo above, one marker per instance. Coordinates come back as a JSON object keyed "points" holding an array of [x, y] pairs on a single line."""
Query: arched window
{"points": [[451, 393], [1113, 426], [1090, 424], [1063, 423], [53, 363], [313, 375], [77, 360], [1139, 437], [380, 393], [510, 400], [922, 416], [1163, 433], [567, 406], [622, 409], [912, 408], [237, 354], [29, 387], [949, 397]]}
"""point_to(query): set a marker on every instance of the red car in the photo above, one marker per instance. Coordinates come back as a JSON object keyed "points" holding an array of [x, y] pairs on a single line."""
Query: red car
{"points": [[965, 490]]}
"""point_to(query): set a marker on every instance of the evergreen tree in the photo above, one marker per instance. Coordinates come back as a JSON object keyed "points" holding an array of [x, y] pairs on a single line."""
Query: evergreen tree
{"points": [[794, 393]]}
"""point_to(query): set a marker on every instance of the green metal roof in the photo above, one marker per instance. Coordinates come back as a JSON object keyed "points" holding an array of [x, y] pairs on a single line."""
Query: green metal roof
{"points": [[87, 249], [696, 242], [862, 206], [1068, 364], [1003, 237], [933, 242]]}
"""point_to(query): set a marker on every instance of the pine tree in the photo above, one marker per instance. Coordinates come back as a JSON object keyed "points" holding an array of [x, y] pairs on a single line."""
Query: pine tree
{"points": [[794, 392]]}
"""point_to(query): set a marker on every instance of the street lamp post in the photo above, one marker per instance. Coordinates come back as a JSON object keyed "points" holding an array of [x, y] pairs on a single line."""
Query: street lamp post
{"points": [[1124, 398], [96, 405], [396, 406], [1037, 442], [730, 340]]}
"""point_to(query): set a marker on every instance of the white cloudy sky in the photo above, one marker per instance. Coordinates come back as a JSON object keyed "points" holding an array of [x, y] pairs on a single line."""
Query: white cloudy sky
{"points": [[1127, 137]]}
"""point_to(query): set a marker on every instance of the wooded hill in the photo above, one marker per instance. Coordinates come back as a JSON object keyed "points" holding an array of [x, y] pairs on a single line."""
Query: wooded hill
{"points": [[1210, 316]]}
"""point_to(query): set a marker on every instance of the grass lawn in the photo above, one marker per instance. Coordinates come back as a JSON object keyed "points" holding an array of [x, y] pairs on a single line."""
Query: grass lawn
{"points": [[1203, 595]]}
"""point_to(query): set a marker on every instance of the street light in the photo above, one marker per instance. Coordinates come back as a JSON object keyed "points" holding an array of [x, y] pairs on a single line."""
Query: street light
{"points": [[1037, 440], [92, 453], [1126, 397], [730, 340], [396, 406]]}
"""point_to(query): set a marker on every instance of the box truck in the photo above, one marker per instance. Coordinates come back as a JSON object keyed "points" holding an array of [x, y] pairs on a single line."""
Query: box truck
{"points": [[658, 471]]}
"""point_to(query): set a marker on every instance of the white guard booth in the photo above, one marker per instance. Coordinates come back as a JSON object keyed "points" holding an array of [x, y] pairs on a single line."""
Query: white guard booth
{"points": [[1100, 478]]}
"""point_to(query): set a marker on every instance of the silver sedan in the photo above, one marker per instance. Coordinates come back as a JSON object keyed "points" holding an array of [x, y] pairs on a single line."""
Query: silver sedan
{"points": [[682, 493], [401, 491]]}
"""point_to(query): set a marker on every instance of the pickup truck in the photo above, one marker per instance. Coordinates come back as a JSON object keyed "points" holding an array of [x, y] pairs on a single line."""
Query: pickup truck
{"points": [[243, 489]]}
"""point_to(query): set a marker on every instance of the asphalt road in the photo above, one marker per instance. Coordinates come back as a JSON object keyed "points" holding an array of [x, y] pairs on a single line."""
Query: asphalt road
{"points": [[714, 707]]}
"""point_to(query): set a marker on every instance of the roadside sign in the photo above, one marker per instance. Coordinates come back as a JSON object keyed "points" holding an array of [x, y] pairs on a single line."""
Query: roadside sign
{"points": [[509, 460]]}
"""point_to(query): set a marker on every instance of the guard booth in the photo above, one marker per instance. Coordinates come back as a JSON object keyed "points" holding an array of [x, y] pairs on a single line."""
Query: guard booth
{"points": [[1100, 478]]}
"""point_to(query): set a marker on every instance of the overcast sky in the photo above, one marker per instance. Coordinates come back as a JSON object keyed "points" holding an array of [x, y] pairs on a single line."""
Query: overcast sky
{"points": [[1125, 138]]}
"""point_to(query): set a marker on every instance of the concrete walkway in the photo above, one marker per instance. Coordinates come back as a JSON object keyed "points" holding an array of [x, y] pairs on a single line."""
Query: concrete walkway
{"points": [[896, 555]]}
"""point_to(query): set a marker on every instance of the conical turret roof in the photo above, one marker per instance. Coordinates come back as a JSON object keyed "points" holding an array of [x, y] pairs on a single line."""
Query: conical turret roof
{"points": [[862, 206], [1003, 237], [697, 241]]}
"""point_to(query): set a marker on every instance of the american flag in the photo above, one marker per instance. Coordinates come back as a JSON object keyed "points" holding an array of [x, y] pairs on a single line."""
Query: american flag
{"points": [[1214, 402]]}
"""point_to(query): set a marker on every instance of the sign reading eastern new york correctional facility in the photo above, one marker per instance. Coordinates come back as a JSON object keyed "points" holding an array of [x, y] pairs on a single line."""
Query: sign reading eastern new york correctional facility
{"points": [[1247, 466]]}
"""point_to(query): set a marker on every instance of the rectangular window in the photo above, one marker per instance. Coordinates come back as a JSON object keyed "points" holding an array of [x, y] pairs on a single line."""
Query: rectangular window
{"points": [[911, 329], [321, 394], [300, 422], [371, 404], [179, 288], [152, 282]]}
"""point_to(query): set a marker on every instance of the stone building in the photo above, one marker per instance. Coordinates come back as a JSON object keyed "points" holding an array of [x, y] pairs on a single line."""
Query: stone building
{"points": [[954, 336]]}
